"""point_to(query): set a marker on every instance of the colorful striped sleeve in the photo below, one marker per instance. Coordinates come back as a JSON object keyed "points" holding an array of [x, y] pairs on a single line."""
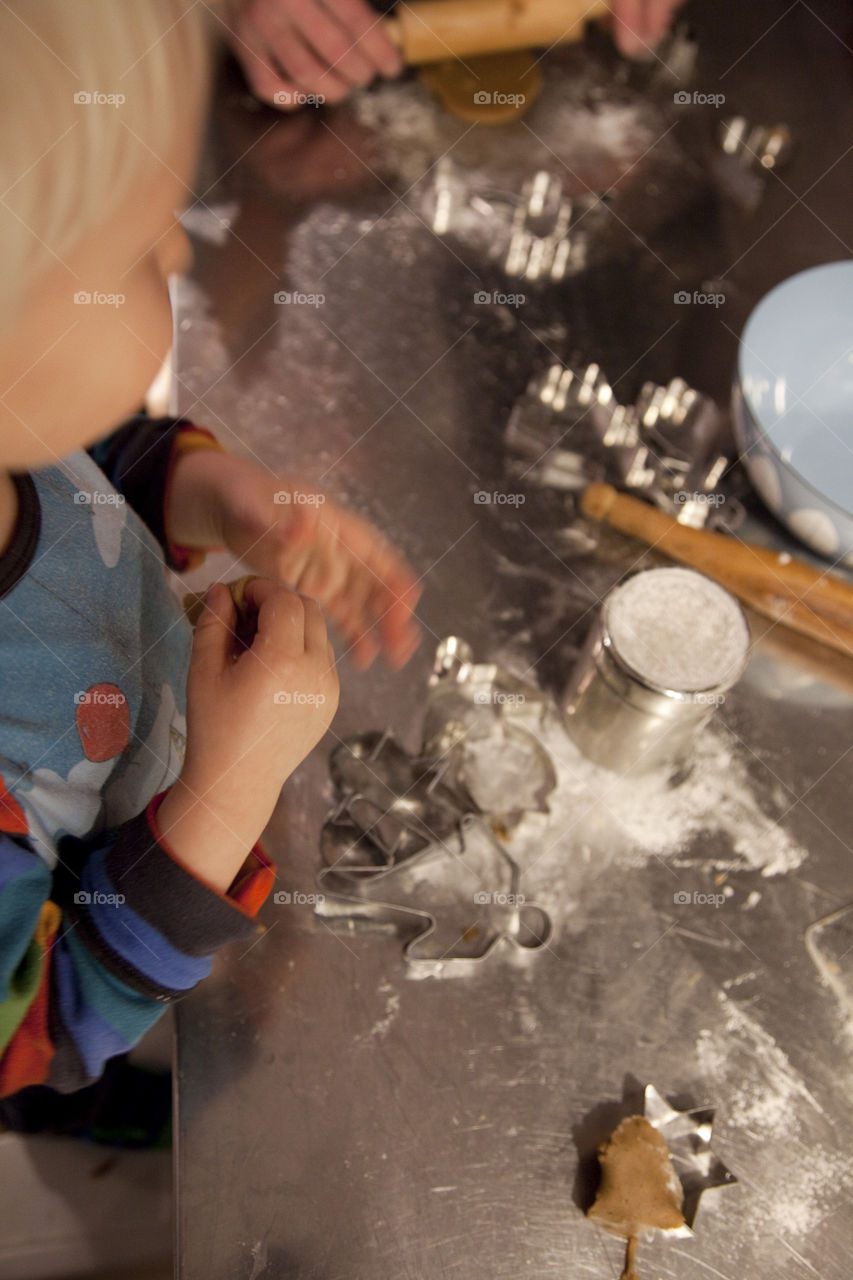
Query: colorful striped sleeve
{"points": [[86, 970]]}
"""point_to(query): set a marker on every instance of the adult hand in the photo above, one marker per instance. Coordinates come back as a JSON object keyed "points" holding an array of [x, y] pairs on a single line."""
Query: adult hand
{"points": [[292, 49], [640, 25]]}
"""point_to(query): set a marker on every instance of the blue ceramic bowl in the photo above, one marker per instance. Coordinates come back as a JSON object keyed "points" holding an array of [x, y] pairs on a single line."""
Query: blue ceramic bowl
{"points": [[793, 406]]}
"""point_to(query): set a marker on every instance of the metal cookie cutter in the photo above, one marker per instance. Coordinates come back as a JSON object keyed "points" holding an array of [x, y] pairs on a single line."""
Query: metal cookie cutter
{"points": [[481, 722], [665, 446], [539, 242], [396, 800], [755, 146], [745, 155], [408, 848], [688, 1136], [455, 903], [528, 231]]}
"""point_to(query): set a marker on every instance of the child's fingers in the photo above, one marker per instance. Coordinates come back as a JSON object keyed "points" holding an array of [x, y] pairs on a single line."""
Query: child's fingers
{"points": [[393, 610], [214, 632], [364, 649], [258, 590], [316, 636], [281, 624], [401, 641]]}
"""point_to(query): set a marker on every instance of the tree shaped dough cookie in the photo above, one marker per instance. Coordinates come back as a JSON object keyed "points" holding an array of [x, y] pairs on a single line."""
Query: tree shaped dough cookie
{"points": [[640, 1191]]}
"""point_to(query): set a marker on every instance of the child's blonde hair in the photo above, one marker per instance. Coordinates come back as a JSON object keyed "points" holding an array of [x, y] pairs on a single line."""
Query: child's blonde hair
{"points": [[91, 92]]}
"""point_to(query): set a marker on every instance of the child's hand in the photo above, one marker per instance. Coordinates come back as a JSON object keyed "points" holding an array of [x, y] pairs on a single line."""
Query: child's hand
{"points": [[302, 538], [251, 719]]}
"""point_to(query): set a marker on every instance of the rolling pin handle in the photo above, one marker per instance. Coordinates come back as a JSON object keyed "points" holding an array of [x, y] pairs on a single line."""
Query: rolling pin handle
{"points": [[597, 500]]}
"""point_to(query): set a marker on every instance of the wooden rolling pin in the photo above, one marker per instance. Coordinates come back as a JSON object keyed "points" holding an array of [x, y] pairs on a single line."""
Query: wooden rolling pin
{"points": [[810, 601], [430, 30]]}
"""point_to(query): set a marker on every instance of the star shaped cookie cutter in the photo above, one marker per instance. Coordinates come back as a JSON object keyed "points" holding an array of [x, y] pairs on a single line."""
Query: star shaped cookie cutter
{"points": [[688, 1136]]}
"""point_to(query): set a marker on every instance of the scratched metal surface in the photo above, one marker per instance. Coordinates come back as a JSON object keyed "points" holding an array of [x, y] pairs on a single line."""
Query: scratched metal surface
{"points": [[337, 1120]]}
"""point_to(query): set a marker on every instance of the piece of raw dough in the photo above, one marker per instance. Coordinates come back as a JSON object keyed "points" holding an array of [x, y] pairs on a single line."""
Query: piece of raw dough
{"points": [[246, 621], [640, 1190], [487, 90]]}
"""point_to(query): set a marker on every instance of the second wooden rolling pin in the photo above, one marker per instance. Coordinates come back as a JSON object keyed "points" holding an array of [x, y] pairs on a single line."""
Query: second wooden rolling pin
{"points": [[810, 601], [430, 30]]}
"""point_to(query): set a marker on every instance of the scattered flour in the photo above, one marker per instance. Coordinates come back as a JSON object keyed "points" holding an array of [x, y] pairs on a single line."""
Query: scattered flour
{"points": [[383, 1025], [766, 1109], [411, 131], [796, 1181], [600, 816]]}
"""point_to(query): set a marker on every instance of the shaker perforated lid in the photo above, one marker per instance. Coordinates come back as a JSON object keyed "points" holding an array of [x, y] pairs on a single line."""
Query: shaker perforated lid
{"points": [[676, 630]]}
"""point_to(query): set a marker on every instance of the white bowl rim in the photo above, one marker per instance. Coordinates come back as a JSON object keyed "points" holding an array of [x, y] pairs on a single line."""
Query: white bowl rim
{"points": [[759, 428]]}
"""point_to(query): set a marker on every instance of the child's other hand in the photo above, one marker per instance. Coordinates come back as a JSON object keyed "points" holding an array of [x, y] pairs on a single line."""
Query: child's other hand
{"points": [[251, 719], [300, 537]]}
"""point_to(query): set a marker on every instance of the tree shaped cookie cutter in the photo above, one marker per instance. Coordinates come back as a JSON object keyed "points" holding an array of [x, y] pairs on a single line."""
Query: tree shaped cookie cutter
{"points": [[405, 853]]}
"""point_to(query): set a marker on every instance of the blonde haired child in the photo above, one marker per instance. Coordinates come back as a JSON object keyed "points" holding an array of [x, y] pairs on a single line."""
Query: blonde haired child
{"points": [[138, 767]]}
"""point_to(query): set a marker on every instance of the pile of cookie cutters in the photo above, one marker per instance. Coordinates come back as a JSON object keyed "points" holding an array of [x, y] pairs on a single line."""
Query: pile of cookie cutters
{"points": [[408, 847], [567, 430]]}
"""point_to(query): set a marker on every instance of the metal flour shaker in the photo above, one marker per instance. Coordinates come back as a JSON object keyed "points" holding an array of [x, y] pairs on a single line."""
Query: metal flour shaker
{"points": [[665, 648]]}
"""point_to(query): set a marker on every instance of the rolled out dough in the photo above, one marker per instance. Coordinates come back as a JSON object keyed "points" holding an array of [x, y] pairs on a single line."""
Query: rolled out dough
{"points": [[493, 89]]}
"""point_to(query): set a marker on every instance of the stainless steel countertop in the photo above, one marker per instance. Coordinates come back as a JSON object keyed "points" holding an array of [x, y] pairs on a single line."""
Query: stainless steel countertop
{"points": [[337, 1120]]}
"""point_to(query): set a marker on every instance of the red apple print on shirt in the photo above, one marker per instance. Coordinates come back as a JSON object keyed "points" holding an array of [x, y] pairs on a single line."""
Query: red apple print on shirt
{"points": [[103, 721], [12, 816]]}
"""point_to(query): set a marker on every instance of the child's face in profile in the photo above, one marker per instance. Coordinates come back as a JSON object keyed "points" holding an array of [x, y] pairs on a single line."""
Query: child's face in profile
{"points": [[96, 327]]}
